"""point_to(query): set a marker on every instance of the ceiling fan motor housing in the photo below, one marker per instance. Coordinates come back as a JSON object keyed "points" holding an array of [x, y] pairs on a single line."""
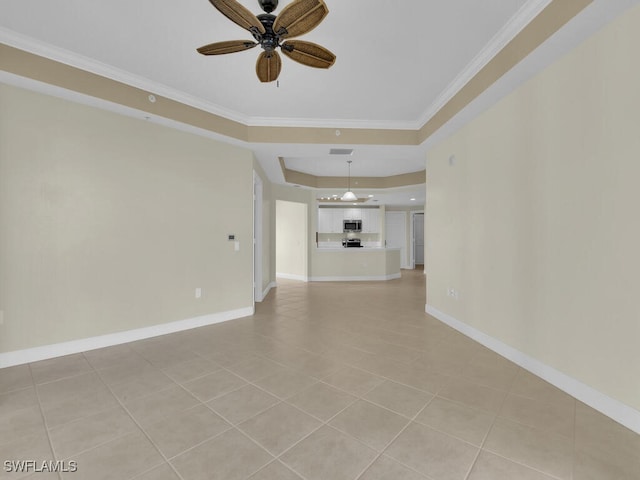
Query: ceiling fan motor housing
{"points": [[269, 41], [268, 5]]}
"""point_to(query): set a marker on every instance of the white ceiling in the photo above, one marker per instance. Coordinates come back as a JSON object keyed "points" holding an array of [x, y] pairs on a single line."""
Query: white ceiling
{"points": [[393, 60], [397, 63]]}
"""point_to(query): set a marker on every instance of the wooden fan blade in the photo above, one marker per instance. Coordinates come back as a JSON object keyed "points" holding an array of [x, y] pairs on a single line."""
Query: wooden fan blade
{"points": [[299, 17], [268, 66], [238, 14], [308, 53], [220, 48]]}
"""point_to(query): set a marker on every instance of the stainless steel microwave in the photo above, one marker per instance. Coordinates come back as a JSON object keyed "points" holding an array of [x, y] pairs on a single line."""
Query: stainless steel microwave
{"points": [[352, 225]]}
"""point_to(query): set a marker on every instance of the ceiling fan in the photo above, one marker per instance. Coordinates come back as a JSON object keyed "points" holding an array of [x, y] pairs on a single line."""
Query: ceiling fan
{"points": [[271, 32]]}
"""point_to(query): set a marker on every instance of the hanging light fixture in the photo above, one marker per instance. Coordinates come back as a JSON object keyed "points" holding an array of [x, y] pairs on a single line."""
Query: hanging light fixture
{"points": [[349, 196]]}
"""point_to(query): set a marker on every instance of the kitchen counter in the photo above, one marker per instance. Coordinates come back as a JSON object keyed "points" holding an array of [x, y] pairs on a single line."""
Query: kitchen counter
{"points": [[333, 263], [357, 249]]}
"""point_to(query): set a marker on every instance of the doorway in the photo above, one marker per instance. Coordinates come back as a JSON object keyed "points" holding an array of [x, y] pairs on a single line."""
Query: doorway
{"points": [[418, 239], [291, 240]]}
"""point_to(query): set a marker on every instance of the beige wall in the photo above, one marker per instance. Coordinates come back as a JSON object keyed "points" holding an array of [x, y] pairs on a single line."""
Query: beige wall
{"points": [[537, 222], [291, 239], [109, 223]]}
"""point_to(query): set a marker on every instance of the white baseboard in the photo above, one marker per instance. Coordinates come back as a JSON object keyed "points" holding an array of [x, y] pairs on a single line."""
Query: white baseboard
{"points": [[268, 289], [289, 276], [44, 352], [612, 408], [356, 279]]}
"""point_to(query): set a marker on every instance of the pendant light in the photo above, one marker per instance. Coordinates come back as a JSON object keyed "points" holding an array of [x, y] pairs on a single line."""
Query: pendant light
{"points": [[349, 196]]}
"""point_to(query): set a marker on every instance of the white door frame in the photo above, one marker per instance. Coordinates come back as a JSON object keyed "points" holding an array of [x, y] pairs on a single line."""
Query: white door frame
{"points": [[257, 238], [412, 262]]}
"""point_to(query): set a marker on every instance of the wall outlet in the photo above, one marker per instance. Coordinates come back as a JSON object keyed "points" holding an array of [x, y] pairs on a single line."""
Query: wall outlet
{"points": [[453, 293], [198, 292]]}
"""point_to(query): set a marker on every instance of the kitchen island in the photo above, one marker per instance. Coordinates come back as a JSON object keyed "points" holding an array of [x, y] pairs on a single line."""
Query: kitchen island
{"points": [[335, 264]]}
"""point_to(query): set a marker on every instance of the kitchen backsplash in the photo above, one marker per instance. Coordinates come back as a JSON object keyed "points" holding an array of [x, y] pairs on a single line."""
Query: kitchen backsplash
{"points": [[335, 239]]}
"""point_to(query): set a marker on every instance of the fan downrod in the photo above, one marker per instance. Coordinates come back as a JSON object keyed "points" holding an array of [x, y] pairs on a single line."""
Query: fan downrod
{"points": [[268, 5]]}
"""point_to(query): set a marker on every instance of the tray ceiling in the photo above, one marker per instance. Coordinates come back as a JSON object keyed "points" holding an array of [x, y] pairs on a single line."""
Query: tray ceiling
{"points": [[397, 65]]}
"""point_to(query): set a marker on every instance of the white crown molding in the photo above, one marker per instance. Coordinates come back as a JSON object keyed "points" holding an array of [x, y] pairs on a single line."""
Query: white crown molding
{"points": [[514, 26], [37, 47], [508, 32], [332, 123], [83, 99]]}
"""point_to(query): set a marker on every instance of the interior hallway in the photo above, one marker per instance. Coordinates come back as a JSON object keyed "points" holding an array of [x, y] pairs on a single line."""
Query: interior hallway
{"points": [[327, 381]]}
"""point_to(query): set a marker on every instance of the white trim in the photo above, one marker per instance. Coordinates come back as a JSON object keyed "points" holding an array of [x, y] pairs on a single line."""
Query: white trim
{"points": [[83, 99], [508, 32], [268, 289], [376, 278], [520, 20], [618, 411], [332, 123], [44, 352], [289, 276], [67, 57], [257, 236], [43, 49]]}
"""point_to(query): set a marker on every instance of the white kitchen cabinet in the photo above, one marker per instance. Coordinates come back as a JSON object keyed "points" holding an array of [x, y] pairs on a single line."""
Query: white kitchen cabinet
{"points": [[370, 220], [374, 220], [330, 220], [336, 223], [352, 214], [364, 216]]}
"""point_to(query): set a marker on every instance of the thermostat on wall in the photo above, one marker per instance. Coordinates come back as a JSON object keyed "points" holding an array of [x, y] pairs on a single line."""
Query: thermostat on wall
{"points": [[231, 237]]}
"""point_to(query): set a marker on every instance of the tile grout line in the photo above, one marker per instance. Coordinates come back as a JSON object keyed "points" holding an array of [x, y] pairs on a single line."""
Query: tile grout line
{"points": [[486, 436], [322, 424], [383, 450], [44, 419], [309, 348], [142, 430]]}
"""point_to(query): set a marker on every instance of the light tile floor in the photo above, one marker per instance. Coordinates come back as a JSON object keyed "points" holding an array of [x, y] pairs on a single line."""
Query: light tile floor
{"points": [[327, 381]]}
